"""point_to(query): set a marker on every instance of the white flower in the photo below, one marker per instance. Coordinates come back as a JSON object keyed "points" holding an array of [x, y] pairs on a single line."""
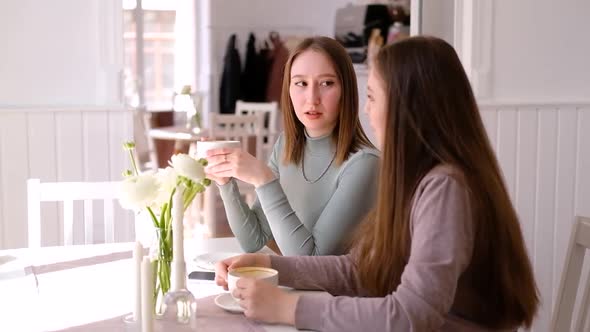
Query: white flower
{"points": [[167, 179], [188, 167], [139, 191]]}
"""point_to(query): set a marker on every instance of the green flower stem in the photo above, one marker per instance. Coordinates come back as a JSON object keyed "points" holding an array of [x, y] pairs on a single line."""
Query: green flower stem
{"points": [[154, 218], [189, 197], [131, 155], [168, 218], [163, 213]]}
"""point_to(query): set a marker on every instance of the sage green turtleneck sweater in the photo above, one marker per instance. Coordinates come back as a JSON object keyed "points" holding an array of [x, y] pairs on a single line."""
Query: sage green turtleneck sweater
{"points": [[306, 218]]}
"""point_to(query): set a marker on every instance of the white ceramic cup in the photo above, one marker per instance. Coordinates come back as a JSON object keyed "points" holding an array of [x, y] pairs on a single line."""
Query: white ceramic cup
{"points": [[204, 146], [269, 275]]}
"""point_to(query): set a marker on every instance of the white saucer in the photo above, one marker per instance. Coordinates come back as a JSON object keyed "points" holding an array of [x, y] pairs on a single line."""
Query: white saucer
{"points": [[207, 261], [226, 302]]}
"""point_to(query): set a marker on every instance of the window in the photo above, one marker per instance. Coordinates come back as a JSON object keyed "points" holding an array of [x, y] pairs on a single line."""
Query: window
{"points": [[155, 65]]}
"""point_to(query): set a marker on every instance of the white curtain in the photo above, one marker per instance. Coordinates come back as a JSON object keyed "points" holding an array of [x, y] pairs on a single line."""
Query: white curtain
{"points": [[185, 45]]}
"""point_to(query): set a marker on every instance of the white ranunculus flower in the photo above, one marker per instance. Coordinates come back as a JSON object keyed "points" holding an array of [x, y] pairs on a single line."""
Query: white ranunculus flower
{"points": [[167, 178], [140, 191], [187, 166]]}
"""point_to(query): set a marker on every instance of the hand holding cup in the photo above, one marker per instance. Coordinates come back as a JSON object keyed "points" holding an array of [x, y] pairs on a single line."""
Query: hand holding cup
{"points": [[222, 267]]}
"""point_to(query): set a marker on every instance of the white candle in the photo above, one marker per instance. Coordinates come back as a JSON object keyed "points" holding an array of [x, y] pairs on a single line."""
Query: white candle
{"points": [[178, 267], [147, 295], [137, 258], [177, 226]]}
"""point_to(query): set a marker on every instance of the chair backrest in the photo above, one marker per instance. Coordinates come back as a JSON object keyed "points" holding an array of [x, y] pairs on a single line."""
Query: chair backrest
{"points": [[270, 131], [570, 279], [68, 192], [238, 128], [144, 143]]}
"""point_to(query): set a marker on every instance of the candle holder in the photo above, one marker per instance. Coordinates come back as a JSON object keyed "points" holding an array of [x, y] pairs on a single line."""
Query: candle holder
{"points": [[131, 324], [179, 305]]}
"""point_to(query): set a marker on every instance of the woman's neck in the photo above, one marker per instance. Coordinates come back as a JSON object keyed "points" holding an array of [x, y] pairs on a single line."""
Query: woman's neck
{"points": [[320, 132], [320, 144]]}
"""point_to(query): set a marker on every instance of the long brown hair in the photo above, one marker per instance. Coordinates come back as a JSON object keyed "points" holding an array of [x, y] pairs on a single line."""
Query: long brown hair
{"points": [[432, 119], [348, 135]]}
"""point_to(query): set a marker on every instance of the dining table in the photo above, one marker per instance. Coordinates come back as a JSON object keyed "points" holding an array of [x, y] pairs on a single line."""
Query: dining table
{"points": [[91, 288]]}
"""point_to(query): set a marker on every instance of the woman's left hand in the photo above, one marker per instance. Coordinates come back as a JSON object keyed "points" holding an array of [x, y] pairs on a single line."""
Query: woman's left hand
{"points": [[227, 162], [265, 302]]}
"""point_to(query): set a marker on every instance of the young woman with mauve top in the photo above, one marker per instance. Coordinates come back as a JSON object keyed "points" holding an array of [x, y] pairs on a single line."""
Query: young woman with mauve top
{"points": [[443, 249]]}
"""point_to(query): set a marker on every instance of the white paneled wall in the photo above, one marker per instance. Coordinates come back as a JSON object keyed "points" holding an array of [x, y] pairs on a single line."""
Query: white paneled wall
{"points": [[59, 145], [544, 152]]}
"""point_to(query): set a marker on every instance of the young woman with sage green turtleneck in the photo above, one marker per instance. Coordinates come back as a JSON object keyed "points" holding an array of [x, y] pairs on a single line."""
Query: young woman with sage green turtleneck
{"points": [[321, 178]]}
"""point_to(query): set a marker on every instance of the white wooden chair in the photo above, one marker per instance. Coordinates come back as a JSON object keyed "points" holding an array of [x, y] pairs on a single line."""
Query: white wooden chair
{"points": [[570, 279], [145, 146], [238, 128], [68, 192], [270, 132]]}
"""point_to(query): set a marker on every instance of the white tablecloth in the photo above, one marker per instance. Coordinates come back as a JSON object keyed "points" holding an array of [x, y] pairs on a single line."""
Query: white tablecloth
{"points": [[54, 288]]}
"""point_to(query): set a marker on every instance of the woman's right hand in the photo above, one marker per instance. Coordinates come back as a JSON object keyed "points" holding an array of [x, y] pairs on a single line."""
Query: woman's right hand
{"points": [[219, 180], [222, 267]]}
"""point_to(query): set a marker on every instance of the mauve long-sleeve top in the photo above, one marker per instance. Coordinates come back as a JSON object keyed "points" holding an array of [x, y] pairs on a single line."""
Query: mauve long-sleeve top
{"points": [[431, 295]]}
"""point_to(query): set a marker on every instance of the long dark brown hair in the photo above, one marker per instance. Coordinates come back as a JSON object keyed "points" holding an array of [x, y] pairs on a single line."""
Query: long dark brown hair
{"points": [[433, 119], [348, 135]]}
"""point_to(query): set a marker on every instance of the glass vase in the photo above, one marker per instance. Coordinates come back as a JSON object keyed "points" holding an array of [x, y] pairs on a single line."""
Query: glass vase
{"points": [[161, 255]]}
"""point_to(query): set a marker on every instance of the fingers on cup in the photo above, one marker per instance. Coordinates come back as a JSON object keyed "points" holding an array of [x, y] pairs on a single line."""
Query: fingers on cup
{"points": [[221, 268], [220, 281], [218, 151], [215, 160], [235, 293], [244, 282]]}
